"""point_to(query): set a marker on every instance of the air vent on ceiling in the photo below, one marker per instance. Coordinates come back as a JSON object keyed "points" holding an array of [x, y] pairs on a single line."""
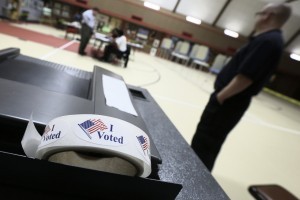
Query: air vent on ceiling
{"points": [[186, 34], [136, 18]]}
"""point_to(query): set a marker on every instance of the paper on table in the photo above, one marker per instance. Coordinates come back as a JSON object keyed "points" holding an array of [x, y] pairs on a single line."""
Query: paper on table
{"points": [[116, 94], [102, 37]]}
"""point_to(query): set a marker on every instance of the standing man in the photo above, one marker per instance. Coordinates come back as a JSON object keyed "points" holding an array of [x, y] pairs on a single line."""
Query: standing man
{"points": [[243, 77], [87, 28]]}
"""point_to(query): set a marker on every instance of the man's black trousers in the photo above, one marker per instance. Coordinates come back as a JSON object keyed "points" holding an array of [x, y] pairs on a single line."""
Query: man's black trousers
{"points": [[215, 124], [86, 33]]}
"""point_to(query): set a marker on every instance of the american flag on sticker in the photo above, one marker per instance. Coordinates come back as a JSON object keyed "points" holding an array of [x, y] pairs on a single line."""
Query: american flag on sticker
{"points": [[92, 125], [143, 142], [47, 129]]}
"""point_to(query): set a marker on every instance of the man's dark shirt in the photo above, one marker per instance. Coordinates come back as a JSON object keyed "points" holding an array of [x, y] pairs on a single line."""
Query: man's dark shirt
{"points": [[257, 61]]}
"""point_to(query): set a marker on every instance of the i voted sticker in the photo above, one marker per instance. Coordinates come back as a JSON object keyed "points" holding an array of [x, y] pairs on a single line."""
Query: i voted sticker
{"points": [[101, 131], [52, 133]]}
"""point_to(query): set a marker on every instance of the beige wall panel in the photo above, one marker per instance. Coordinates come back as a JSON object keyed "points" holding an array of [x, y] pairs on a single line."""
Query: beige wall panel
{"points": [[169, 23], [174, 24]]}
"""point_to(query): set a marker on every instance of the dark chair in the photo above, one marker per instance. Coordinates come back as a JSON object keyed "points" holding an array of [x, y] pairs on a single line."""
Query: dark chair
{"points": [[270, 192]]}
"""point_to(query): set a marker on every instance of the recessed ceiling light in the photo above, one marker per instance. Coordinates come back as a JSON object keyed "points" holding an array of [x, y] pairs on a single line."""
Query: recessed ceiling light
{"points": [[295, 56], [231, 33], [193, 20], [151, 5]]}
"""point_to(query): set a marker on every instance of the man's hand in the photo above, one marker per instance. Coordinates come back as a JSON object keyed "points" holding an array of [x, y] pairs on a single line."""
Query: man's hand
{"points": [[238, 84], [220, 99]]}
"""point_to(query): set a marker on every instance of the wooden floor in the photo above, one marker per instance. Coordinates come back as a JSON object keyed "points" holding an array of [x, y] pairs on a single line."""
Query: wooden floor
{"points": [[264, 148]]}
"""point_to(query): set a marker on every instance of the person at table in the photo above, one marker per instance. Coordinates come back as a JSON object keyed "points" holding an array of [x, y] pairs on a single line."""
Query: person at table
{"points": [[117, 47], [87, 28]]}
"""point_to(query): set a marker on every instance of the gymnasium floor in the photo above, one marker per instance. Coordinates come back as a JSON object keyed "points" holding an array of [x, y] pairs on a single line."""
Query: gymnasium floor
{"points": [[264, 148]]}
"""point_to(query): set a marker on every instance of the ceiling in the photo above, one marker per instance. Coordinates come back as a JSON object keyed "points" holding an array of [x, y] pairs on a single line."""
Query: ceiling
{"points": [[236, 15]]}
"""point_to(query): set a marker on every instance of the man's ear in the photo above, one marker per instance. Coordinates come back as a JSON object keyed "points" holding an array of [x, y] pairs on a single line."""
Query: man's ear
{"points": [[267, 16]]}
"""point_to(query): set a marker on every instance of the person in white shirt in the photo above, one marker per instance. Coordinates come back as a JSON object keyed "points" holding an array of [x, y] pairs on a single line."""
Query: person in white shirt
{"points": [[117, 47], [87, 28]]}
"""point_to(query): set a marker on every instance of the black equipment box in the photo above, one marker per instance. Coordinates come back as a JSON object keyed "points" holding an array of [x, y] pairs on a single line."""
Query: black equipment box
{"points": [[49, 90]]}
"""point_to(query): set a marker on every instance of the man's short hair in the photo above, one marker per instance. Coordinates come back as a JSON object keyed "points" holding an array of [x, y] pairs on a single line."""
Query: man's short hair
{"points": [[96, 9], [120, 32], [282, 12]]}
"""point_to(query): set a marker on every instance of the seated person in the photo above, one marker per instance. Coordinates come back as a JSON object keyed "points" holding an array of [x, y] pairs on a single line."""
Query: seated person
{"points": [[117, 47]]}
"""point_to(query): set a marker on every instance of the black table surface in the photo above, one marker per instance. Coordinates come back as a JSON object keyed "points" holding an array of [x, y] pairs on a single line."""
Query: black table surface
{"points": [[179, 163]]}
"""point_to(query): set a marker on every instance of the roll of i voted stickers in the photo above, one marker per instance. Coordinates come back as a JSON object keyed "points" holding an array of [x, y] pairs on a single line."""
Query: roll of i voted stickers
{"points": [[93, 133]]}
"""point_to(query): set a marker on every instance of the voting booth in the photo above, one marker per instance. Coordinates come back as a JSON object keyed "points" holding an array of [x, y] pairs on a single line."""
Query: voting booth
{"points": [[47, 109]]}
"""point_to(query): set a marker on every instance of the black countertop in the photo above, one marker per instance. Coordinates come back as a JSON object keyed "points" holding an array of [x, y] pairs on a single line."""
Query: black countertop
{"points": [[179, 162], [19, 97]]}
